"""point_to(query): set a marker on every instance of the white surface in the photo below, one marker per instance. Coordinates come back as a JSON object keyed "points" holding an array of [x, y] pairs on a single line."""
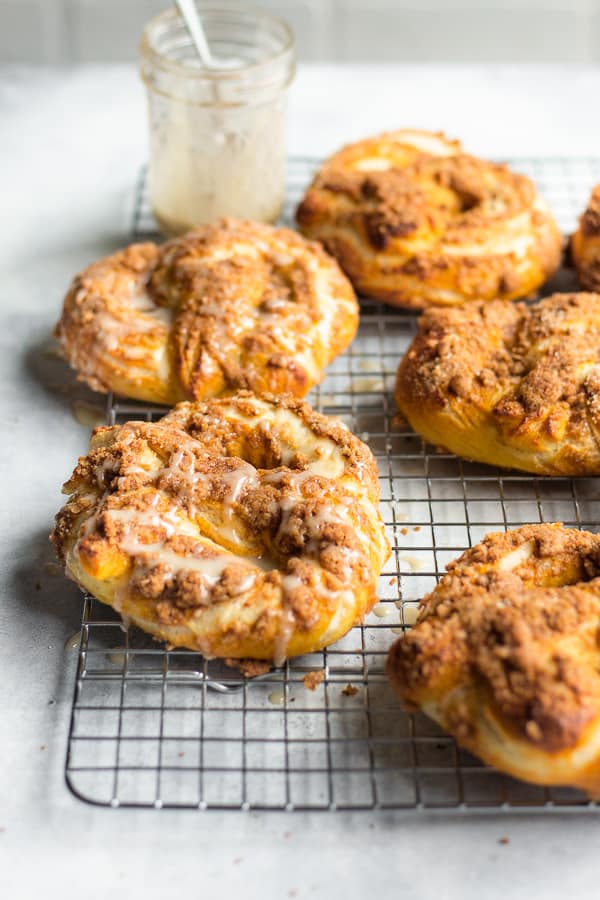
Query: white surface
{"points": [[71, 146]]}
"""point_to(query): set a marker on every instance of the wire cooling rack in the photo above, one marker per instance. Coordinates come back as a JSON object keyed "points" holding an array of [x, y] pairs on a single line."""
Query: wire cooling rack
{"points": [[153, 727]]}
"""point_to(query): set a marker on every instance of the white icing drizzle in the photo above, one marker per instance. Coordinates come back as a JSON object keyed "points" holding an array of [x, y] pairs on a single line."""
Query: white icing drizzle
{"points": [[237, 480], [287, 624], [183, 465], [208, 558], [148, 555]]}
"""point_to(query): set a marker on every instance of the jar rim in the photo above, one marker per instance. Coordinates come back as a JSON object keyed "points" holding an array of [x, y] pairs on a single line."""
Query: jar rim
{"points": [[148, 49]]}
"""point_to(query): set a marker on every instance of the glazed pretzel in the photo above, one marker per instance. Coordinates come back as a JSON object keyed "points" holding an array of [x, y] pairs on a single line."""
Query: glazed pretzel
{"points": [[228, 306], [509, 385], [240, 527], [585, 244], [415, 221], [505, 655]]}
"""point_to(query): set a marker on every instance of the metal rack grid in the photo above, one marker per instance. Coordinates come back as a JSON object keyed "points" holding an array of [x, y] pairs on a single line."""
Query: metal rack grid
{"points": [[153, 727]]}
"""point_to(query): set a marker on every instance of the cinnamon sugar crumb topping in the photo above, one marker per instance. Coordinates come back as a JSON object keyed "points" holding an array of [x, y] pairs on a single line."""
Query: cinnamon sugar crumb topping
{"points": [[516, 621]]}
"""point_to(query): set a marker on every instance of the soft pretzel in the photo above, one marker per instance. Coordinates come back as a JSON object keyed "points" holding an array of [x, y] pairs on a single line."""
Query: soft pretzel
{"points": [[240, 527], [227, 306], [585, 244], [505, 654], [509, 385], [415, 221]]}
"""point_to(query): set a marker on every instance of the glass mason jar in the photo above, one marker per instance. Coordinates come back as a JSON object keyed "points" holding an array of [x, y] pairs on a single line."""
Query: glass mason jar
{"points": [[217, 136]]}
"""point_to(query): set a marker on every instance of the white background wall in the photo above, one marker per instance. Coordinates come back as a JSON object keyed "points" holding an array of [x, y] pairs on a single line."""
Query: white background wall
{"points": [[65, 31]]}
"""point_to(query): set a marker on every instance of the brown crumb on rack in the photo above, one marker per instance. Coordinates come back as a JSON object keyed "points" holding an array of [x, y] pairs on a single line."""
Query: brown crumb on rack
{"points": [[249, 668], [399, 420], [43, 746], [350, 690], [312, 680], [393, 580], [504, 840], [404, 530], [417, 528]]}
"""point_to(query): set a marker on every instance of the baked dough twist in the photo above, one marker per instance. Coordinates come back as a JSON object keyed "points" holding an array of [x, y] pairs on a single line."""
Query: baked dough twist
{"points": [[240, 527], [505, 655], [414, 221], [231, 305], [509, 385], [585, 244]]}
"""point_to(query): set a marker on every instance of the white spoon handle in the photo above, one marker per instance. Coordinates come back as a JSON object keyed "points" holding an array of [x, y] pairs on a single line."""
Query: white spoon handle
{"points": [[190, 16]]}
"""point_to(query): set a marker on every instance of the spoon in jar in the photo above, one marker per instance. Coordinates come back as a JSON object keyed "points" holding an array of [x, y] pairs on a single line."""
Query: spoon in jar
{"points": [[193, 23], [189, 14]]}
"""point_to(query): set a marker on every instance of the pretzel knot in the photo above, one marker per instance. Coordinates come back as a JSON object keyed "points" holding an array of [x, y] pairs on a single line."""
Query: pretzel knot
{"points": [[229, 306], [415, 221], [585, 244], [509, 385], [505, 654], [241, 527]]}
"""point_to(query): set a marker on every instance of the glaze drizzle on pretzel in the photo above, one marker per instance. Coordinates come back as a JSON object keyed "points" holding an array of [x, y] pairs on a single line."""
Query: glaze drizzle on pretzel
{"points": [[415, 221], [228, 306], [241, 527]]}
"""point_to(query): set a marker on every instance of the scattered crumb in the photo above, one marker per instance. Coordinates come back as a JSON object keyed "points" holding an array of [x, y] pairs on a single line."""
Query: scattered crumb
{"points": [[417, 528], [312, 680], [249, 668], [504, 840], [350, 690], [398, 421], [393, 580], [181, 754], [404, 530], [43, 746]]}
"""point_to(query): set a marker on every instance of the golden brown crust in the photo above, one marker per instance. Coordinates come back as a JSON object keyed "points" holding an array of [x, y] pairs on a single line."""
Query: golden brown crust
{"points": [[585, 244], [505, 654], [243, 527], [228, 306], [415, 222], [509, 385]]}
